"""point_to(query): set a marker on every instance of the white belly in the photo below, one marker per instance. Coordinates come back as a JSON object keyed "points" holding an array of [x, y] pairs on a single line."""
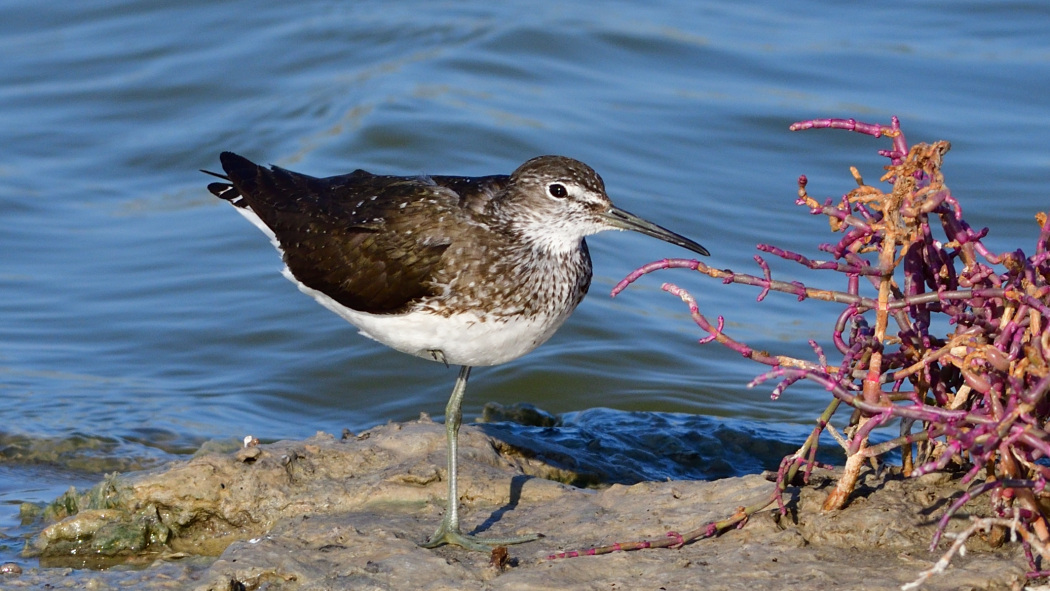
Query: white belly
{"points": [[462, 339]]}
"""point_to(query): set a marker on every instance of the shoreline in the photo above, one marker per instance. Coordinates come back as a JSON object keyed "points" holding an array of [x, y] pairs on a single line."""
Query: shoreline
{"points": [[328, 513]]}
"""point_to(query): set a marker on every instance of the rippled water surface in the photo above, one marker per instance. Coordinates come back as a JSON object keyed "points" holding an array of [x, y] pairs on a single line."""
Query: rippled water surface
{"points": [[141, 316]]}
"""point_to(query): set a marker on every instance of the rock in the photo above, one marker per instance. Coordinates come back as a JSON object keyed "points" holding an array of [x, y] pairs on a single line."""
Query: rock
{"points": [[348, 514]]}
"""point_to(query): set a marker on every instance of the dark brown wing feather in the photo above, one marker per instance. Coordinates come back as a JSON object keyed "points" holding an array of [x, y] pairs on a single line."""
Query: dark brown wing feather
{"points": [[359, 238]]}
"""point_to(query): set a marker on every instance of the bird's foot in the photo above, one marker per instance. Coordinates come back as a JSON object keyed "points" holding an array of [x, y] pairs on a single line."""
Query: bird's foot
{"points": [[451, 535]]}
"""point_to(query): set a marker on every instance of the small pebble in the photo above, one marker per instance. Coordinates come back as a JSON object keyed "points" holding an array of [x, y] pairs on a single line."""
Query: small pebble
{"points": [[10, 568], [248, 454]]}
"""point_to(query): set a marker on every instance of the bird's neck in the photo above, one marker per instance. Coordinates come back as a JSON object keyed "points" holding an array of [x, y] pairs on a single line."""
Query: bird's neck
{"points": [[552, 236], [561, 276]]}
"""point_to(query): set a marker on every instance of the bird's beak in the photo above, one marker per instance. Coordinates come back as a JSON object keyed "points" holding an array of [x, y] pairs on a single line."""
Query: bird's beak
{"points": [[625, 220]]}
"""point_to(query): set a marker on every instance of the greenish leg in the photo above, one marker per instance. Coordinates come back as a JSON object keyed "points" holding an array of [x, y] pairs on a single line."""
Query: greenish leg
{"points": [[448, 532]]}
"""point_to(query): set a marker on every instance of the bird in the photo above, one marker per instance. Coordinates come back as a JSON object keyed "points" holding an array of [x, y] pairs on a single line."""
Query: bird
{"points": [[465, 271]]}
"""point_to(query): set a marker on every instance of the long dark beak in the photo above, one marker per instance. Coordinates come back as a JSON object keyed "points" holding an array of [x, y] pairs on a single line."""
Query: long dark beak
{"points": [[625, 220]]}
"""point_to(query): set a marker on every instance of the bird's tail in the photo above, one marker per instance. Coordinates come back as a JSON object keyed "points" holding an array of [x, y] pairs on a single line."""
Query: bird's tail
{"points": [[222, 190], [239, 170]]}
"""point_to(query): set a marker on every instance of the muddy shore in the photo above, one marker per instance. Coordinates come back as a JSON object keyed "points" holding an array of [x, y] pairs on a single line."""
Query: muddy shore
{"points": [[332, 513]]}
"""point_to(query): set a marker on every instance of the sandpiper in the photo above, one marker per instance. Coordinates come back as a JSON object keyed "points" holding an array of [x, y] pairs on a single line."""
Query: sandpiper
{"points": [[466, 271]]}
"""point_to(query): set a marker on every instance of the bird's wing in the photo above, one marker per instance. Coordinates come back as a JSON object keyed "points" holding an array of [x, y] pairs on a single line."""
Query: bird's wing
{"points": [[475, 193], [358, 238]]}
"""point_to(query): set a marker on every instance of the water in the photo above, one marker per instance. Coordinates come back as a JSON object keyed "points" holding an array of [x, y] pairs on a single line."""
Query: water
{"points": [[142, 317]]}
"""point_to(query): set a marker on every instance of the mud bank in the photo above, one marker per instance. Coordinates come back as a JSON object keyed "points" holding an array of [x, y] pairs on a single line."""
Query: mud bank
{"points": [[330, 513]]}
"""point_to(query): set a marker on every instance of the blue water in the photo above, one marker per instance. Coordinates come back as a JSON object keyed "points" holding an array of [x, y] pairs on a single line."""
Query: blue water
{"points": [[141, 316]]}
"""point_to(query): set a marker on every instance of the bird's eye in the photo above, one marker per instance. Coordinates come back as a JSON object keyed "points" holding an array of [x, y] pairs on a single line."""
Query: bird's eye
{"points": [[557, 190]]}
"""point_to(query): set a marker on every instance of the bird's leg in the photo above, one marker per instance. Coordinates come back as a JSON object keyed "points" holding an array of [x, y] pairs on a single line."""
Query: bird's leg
{"points": [[448, 532]]}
